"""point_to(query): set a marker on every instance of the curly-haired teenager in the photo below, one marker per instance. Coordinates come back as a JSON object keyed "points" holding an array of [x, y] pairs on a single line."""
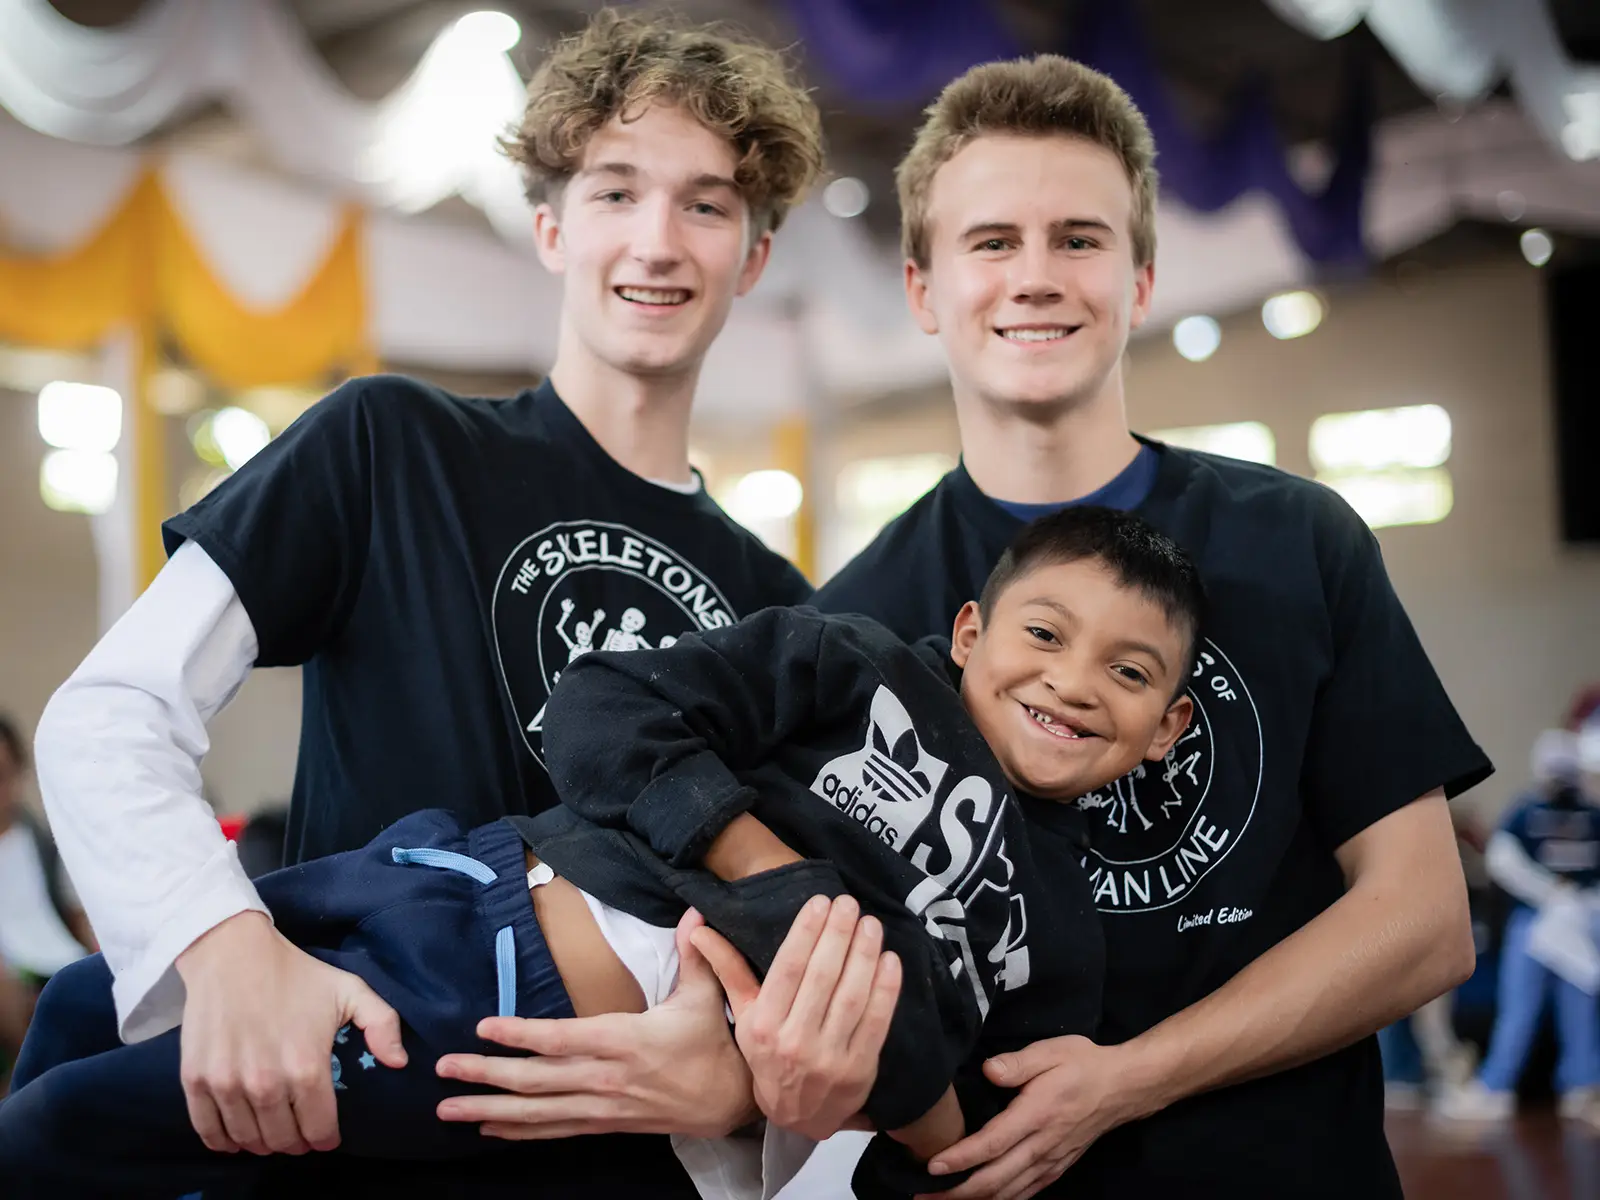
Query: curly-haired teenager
{"points": [[434, 562]]}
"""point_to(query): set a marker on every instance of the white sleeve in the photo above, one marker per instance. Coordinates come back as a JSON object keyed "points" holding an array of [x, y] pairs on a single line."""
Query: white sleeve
{"points": [[117, 754], [1509, 866]]}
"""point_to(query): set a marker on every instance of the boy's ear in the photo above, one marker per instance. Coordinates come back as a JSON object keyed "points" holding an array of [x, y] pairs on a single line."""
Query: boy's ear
{"points": [[969, 624], [1173, 722]]}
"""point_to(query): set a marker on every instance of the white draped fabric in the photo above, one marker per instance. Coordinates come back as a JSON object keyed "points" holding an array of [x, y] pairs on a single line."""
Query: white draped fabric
{"points": [[828, 319], [434, 137], [1459, 49]]}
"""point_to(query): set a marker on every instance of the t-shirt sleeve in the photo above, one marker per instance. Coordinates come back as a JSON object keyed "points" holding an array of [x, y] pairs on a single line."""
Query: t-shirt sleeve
{"points": [[1383, 731], [291, 527]]}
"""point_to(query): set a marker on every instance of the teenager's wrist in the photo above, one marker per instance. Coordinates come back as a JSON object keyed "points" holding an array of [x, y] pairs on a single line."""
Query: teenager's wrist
{"points": [[1147, 1070], [244, 929]]}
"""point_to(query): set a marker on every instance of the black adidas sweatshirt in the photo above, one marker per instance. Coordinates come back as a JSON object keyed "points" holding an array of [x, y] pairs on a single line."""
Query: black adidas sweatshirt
{"points": [[856, 750]]}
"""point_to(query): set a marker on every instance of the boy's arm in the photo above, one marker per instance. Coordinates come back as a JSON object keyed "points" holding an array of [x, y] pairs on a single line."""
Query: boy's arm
{"points": [[651, 740], [747, 847]]}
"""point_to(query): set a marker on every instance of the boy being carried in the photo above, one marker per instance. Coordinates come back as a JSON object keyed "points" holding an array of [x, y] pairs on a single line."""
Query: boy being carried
{"points": [[740, 772]]}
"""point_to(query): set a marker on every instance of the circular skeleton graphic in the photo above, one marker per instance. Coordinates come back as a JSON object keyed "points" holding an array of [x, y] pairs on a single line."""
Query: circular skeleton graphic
{"points": [[1160, 829], [578, 586]]}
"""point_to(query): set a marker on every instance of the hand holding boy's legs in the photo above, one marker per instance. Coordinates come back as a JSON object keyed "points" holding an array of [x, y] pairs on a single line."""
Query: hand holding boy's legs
{"points": [[812, 1032], [258, 1021], [673, 1069]]}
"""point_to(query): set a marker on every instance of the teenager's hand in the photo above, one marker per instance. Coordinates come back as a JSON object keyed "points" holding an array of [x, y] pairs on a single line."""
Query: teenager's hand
{"points": [[1070, 1097], [258, 1026], [812, 1032], [673, 1069]]}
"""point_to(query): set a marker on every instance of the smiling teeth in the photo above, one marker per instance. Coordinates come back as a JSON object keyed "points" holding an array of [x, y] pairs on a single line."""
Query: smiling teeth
{"points": [[1034, 335], [1065, 731], [653, 295]]}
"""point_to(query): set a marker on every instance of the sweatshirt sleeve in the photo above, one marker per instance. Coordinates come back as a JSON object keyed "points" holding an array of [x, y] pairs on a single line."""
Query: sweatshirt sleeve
{"points": [[118, 752], [650, 740]]}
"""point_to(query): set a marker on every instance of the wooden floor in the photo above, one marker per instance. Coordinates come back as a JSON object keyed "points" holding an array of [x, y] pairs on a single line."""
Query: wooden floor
{"points": [[1536, 1157]]}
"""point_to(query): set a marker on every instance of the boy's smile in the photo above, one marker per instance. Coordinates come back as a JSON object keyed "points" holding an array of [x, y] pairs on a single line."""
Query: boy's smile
{"points": [[1071, 679]]}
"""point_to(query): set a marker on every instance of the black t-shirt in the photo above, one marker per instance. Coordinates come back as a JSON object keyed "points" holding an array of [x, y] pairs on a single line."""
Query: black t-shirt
{"points": [[1317, 713], [857, 751], [434, 562]]}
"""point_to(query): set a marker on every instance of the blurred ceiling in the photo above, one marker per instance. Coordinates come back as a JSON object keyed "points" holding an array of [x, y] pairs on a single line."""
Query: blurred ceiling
{"points": [[1208, 52]]}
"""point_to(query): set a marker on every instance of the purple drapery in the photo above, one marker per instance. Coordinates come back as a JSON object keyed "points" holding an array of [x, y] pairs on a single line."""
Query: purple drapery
{"points": [[888, 53]]}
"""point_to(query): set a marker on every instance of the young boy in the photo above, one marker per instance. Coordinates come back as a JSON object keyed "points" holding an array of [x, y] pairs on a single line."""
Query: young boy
{"points": [[741, 771]]}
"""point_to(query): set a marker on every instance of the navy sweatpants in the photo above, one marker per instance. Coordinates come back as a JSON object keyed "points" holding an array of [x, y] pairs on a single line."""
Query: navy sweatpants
{"points": [[89, 1116]]}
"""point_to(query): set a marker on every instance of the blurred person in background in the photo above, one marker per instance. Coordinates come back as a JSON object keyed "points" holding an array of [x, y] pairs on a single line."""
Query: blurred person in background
{"points": [[42, 927], [1287, 882], [415, 550], [1546, 849], [42, 923]]}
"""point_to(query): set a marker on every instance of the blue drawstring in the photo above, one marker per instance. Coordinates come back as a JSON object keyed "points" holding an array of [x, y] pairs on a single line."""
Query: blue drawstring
{"points": [[505, 942], [505, 965], [427, 856]]}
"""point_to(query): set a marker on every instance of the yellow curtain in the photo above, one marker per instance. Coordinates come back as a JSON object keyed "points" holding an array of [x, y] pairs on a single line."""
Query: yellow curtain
{"points": [[71, 301], [143, 270]]}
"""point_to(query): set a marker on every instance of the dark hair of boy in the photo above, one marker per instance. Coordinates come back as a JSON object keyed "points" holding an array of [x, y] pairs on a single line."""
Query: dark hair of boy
{"points": [[1139, 557]]}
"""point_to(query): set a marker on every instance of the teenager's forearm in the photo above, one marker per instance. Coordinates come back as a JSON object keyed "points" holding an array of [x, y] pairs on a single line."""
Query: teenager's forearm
{"points": [[118, 754], [1360, 965], [746, 847]]}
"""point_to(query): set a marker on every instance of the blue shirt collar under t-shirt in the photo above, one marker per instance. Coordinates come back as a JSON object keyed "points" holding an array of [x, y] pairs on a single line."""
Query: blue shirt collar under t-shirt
{"points": [[1128, 490]]}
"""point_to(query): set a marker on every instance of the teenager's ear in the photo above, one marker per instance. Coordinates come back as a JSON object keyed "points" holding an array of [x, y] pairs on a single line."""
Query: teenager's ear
{"points": [[969, 624], [1173, 722], [917, 298], [547, 239], [755, 262], [1144, 287]]}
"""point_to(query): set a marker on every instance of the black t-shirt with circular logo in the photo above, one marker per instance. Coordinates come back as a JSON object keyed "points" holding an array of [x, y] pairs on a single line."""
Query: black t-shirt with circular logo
{"points": [[1317, 713], [434, 562]]}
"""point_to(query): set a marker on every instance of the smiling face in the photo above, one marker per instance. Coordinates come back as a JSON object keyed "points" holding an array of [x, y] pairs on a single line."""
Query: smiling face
{"points": [[653, 239], [1030, 280], [1071, 678]]}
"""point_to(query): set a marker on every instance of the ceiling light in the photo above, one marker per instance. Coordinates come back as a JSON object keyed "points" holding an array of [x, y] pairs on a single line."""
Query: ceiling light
{"points": [[83, 481], [240, 435], [1537, 246], [1396, 497], [1291, 314], [1197, 338], [765, 496], [492, 30], [846, 197], [80, 416], [1415, 436], [1248, 440]]}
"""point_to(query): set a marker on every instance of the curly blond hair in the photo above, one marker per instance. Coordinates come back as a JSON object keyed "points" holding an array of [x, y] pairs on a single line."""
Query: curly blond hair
{"points": [[1031, 97], [620, 65]]}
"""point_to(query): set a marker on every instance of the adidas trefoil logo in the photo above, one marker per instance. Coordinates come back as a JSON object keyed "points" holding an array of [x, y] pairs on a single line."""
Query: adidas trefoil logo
{"points": [[889, 784]]}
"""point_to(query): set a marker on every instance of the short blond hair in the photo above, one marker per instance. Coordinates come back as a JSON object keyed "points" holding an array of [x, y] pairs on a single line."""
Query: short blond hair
{"points": [[1043, 96], [619, 65]]}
